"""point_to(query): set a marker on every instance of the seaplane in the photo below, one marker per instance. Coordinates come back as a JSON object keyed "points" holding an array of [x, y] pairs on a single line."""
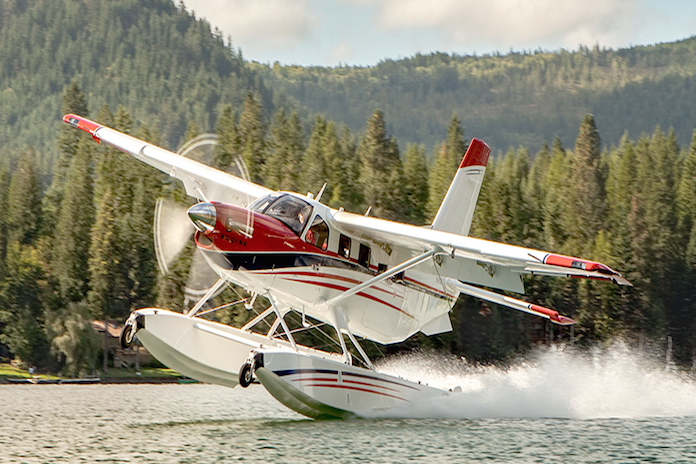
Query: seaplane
{"points": [[366, 277]]}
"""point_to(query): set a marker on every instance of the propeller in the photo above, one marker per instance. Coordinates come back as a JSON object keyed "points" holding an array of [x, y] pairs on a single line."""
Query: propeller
{"points": [[173, 229]]}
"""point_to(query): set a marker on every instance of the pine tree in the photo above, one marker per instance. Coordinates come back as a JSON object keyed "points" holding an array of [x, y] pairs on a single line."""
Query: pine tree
{"points": [[346, 192], [21, 305], [24, 202], [379, 160], [5, 179], [73, 102], [556, 204], [69, 140], [228, 146], [445, 164], [534, 194], [314, 169], [416, 183], [72, 238], [686, 193], [586, 188], [106, 297], [285, 152], [252, 134]]}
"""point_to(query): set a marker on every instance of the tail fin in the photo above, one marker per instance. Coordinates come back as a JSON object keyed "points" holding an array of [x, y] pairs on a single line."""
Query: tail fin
{"points": [[457, 209]]}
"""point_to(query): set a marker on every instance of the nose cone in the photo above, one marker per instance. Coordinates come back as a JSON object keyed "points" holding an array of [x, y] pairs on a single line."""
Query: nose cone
{"points": [[203, 216]]}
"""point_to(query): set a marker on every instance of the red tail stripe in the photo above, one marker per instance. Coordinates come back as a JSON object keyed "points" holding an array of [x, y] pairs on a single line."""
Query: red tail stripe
{"points": [[476, 154]]}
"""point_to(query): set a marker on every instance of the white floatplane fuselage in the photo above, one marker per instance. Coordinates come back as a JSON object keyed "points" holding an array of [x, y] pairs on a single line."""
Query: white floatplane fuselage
{"points": [[366, 277]]}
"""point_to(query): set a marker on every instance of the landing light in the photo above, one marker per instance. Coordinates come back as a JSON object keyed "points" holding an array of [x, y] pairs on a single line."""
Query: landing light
{"points": [[203, 216]]}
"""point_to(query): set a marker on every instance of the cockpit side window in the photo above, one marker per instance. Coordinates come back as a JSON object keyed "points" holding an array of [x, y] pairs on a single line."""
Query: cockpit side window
{"points": [[291, 211], [318, 233]]}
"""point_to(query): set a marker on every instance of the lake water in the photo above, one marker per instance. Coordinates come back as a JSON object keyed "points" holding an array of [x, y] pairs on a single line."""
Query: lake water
{"points": [[558, 406]]}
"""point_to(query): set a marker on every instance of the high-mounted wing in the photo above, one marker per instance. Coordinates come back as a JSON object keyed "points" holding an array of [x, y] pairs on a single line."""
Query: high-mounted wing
{"points": [[492, 257], [201, 181]]}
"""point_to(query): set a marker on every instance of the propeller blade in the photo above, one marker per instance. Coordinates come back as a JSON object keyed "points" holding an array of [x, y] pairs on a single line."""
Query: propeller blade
{"points": [[172, 230], [201, 276]]}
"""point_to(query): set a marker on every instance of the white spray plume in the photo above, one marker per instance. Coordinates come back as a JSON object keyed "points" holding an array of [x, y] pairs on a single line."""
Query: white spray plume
{"points": [[558, 382]]}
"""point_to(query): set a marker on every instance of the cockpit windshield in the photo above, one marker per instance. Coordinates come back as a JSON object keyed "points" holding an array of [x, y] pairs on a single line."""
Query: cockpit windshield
{"points": [[262, 203], [291, 211]]}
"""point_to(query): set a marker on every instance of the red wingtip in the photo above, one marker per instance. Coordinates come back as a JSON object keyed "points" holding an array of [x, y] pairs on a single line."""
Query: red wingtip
{"points": [[562, 320], [552, 315], [476, 154], [83, 123], [577, 263]]}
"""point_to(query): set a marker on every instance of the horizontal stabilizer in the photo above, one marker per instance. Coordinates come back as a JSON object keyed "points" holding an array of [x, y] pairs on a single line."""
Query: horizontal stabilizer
{"points": [[513, 303]]}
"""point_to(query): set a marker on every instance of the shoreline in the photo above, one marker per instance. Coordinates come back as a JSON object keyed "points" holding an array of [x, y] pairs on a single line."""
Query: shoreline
{"points": [[89, 381]]}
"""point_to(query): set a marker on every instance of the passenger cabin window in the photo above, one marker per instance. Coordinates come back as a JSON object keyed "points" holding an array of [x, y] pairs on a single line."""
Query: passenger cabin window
{"points": [[318, 233], [291, 211], [344, 246], [364, 256]]}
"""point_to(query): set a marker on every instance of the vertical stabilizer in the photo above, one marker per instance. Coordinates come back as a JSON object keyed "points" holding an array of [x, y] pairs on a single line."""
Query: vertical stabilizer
{"points": [[457, 209]]}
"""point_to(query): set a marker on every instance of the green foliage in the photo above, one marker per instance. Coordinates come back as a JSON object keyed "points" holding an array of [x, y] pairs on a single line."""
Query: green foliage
{"points": [[72, 233], [380, 168], [74, 339], [252, 133], [161, 62], [89, 235], [416, 184], [21, 307], [24, 202], [518, 98], [445, 165]]}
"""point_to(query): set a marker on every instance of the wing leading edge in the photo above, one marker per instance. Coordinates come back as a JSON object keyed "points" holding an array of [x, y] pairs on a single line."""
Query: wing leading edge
{"points": [[201, 181], [490, 255]]}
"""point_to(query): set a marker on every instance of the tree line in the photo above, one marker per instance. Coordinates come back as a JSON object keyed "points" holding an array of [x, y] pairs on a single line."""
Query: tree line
{"points": [[82, 249], [522, 97]]}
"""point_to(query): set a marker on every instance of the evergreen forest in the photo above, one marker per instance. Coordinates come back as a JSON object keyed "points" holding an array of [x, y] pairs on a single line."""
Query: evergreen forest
{"points": [[76, 237]]}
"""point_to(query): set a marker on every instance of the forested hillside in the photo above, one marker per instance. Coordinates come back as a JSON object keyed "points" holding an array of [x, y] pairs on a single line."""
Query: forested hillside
{"points": [[149, 56], [76, 237], [518, 98]]}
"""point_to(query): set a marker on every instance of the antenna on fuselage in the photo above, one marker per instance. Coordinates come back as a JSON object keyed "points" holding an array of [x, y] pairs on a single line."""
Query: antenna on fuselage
{"points": [[367, 213], [321, 192]]}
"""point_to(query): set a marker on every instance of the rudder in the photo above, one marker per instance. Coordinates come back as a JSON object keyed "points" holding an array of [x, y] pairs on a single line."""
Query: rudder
{"points": [[457, 208]]}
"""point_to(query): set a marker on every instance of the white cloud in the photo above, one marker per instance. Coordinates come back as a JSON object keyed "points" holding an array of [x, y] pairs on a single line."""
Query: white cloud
{"points": [[342, 52], [258, 24], [517, 23]]}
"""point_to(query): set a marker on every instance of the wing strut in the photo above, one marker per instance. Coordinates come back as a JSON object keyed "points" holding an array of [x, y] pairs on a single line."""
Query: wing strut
{"points": [[221, 281], [513, 303]]}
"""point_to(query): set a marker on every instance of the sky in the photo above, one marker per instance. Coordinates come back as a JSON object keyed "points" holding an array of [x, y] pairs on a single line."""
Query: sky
{"points": [[365, 32]]}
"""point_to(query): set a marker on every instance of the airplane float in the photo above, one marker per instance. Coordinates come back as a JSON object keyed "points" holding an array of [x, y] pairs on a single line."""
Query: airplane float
{"points": [[367, 277]]}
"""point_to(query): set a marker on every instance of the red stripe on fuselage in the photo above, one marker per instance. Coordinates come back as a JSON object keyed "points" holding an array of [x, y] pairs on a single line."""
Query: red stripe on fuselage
{"points": [[343, 289], [357, 282], [336, 277], [348, 387], [312, 379]]}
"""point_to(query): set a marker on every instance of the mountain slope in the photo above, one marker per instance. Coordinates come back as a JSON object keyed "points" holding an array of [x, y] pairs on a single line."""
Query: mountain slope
{"points": [[156, 60], [513, 99]]}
